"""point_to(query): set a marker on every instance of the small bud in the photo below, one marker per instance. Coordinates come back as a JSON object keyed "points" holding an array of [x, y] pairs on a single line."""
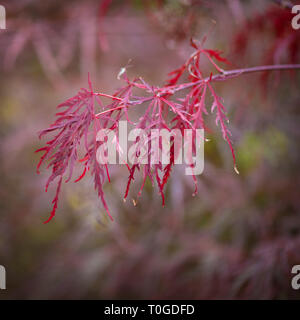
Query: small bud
{"points": [[122, 71]]}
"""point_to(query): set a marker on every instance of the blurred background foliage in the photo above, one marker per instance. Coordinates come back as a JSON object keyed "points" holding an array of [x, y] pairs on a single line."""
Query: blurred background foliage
{"points": [[238, 238]]}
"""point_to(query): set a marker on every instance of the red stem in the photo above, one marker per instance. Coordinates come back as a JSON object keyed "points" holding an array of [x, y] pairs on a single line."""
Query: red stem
{"points": [[107, 96]]}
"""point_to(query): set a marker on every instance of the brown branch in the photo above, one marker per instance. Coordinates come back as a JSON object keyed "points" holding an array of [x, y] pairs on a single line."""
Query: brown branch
{"points": [[238, 72]]}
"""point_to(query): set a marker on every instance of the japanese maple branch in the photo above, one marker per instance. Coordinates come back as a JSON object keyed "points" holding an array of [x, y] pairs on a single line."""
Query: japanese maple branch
{"points": [[225, 75]]}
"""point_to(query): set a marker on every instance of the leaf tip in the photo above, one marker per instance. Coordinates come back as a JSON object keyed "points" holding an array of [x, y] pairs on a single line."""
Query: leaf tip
{"points": [[236, 169]]}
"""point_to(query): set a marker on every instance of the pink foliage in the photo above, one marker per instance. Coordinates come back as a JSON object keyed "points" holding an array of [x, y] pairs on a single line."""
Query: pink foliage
{"points": [[79, 123]]}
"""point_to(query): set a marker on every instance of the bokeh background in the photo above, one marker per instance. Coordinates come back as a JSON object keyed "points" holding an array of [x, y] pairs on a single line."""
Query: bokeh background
{"points": [[237, 239]]}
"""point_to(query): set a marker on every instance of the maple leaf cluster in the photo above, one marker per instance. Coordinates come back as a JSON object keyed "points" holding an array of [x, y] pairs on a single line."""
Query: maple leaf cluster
{"points": [[78, 124]]}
